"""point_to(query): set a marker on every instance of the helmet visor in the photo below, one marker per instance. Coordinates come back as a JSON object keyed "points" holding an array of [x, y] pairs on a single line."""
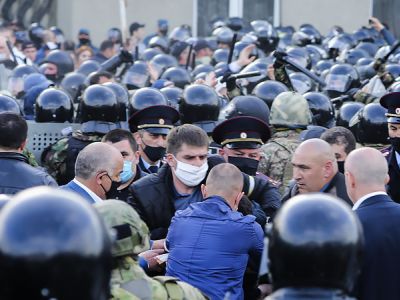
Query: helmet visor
{"points": [[339, 83]]}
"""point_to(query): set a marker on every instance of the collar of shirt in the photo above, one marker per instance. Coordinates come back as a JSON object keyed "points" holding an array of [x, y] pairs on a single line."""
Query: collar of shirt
{"points": [[96, 198], [325, 187], [365, 197], [147, 165]]}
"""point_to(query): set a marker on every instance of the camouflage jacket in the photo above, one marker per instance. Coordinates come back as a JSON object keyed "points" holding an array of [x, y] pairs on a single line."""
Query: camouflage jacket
{"points": [[276, 161], [130, 282], [54, 157], [31, 158]]}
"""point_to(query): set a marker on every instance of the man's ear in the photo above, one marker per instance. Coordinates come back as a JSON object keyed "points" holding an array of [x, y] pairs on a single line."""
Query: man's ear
{"points": [[387, 179], [329, 168], [23, 144], [170, 160], [203, 191], [237, 200], [137, 137], [221, 152]]}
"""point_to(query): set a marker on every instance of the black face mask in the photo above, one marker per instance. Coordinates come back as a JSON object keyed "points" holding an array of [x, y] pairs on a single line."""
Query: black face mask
{"points": [[52, 77], [154, 153], [248, 166], [84, 41], [113, 188], [341, 166], [395, 143]]}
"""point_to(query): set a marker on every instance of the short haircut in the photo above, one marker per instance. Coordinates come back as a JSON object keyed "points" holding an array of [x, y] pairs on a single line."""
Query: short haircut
{"points": [[188, 134], [107, 44], [94, 78], [93, 159], [341, 136], [224, 180], [118, 135], [13, 130]]}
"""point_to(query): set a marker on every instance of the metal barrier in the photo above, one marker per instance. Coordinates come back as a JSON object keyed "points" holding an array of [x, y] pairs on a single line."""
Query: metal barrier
{"points": [[41, 135]]}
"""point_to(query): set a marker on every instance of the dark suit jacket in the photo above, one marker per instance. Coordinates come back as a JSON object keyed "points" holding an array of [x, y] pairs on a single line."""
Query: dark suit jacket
{"points": [[380, 273], [394, 174], [73, 187]]}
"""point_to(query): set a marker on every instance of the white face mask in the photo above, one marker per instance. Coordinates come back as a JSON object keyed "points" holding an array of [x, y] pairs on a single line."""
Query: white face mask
{"points": [[190, 175]]}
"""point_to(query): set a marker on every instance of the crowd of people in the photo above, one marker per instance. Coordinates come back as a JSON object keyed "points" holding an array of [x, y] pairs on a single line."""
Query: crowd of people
{"points": [[255, 162]]}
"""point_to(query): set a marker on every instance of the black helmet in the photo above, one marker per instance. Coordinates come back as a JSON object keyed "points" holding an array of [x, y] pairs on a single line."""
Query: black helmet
{"points": [[36, 32], [267, 36], [9, 104], [368, 47], [73, 83], [179, 76], [394, 87], [137, 76], [321, 108], [365, 68], [268, 90], [99, 103], [315, 241], [340, 79], [180, 33], [53, 105], [159, 43], [60, 39], [199, 106], [353, 55], [301, 82], [149, 53], [346, 112], [393, 69], [173, 95], [55, 243], [122, 95], [146, 97], [202, 69], [370, 124], [299, 56], [235, 23], [316, 53], [323, 65], [161, 62], [223, 34], [305, 36], [220, 55], [62, 60], [88, 67], [16, 79], [246, 106]]}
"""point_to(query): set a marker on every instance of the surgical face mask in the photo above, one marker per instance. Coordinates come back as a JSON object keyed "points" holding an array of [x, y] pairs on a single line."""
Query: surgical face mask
{"points": [[3, 56], [247, 165], [190, 175], [127, 172], [205, 60]]}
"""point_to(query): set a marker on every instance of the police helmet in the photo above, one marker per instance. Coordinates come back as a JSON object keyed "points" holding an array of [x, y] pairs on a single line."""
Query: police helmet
{"points": [[173, 95], [346, 112], [73, 83], [179, 76], [137, 76], [122, 95], [146, 97], [251, 106], [88, 67], [268, 90], [321, 108], [340, 79], [53, 105], [99, 103], [9, 104], [36, 33], [55, 243], [62, 60], [316, 241]]}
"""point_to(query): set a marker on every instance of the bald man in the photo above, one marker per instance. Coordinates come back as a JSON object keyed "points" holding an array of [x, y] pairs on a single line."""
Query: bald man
{"points": [[210, 242], [366, 174], [97, 170], [315, 170]]}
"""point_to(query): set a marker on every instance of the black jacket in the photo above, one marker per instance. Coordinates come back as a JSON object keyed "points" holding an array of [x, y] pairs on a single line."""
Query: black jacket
{"points": [[336, 187], [394, 174], [308, 293], [152, 197], [16, 174]]}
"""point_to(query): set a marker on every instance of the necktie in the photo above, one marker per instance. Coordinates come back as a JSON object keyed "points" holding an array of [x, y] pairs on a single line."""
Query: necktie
{"points": [[153, 169]]}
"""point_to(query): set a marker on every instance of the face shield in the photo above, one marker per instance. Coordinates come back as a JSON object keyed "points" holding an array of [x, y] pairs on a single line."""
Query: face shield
{"points": [[15, 85], [339, 83]]}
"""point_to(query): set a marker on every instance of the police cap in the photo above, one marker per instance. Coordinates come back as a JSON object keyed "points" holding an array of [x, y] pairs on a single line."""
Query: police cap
{"points": [[391, 102], [242, 132]]}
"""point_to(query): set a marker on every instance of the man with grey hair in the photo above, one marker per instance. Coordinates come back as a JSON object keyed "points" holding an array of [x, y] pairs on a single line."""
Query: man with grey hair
{"points": [[97, 170], [366, 173]]}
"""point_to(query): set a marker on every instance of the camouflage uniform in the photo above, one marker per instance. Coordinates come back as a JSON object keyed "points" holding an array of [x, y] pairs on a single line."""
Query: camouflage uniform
{"points": [[129, 281], [290, 113], [55, 157], [31, 158], [276, 161]]}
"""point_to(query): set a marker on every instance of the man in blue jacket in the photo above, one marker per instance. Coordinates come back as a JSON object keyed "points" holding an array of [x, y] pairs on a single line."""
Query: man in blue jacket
{"points": [[366, 174], [210, 242]]}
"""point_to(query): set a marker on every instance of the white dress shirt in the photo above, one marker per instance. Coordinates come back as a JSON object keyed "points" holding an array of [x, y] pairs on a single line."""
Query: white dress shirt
{"points": [[365, 197], [96, 198]]}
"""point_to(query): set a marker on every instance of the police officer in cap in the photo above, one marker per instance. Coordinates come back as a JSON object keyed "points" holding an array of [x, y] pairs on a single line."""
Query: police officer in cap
{"points": [[150, 127], [241, 139], [392, 103]]}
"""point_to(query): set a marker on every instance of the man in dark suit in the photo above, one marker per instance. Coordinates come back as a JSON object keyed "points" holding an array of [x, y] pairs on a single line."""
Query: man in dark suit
{"points": [[97, 172], [366, 174], [391, 101], [315, 170]]}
